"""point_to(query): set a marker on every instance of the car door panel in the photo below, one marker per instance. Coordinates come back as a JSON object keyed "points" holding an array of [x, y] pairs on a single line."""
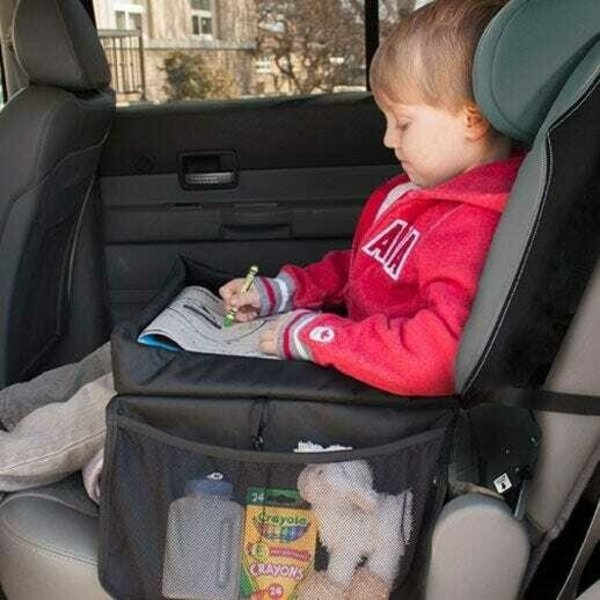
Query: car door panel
{"points": [[303, 169]]}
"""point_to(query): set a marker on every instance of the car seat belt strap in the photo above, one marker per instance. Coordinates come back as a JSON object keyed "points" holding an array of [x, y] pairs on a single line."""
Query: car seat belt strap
{"points": [[569, 589], [536, 399]]}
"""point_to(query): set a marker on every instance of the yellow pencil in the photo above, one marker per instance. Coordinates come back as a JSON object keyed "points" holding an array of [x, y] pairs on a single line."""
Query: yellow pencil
{"points": [[230, 316]]}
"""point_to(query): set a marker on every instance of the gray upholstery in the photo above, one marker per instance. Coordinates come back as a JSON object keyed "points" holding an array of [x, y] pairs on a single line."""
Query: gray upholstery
{"points": [[592, 593], [478, 551], [522, 217], [570, 451], [57, 45], [523, 61], [50, 143], [49, 544], [14, 76], [522, 87]]}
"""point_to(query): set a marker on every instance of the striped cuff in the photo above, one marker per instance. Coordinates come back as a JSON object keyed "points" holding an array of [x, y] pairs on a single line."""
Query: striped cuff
{"points": [[275, 293], [288, 344]]}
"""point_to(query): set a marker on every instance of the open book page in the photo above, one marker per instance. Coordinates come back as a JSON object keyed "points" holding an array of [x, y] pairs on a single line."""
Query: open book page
{"points": [[194, 321]]}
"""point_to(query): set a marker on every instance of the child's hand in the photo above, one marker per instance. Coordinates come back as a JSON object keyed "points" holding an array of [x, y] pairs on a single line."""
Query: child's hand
{"points": [[270, 335], [248, 303]]}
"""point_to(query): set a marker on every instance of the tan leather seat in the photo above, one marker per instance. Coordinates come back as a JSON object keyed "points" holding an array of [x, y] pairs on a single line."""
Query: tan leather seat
{"points": [[48, 537], [49, 544]]}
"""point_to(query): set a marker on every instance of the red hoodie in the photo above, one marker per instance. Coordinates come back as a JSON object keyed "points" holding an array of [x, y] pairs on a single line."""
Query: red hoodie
{"points": [[407, 283]]}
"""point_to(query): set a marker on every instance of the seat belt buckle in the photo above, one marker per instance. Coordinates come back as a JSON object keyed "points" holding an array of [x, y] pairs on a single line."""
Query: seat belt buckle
{"points": [[517, 488], [521, 505]]}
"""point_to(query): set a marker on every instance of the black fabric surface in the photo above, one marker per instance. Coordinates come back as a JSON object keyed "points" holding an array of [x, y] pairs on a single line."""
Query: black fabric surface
{"points": [[156, 445], [563, 249], [150, 371], [183, 415]]}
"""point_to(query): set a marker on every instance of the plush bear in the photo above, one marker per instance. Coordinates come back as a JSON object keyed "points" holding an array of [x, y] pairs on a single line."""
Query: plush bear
{"points": [[354, 523]]}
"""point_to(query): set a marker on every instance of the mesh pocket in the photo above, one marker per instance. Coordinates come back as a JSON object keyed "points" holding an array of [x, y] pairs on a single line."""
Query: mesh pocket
{"points": [[187, 519]]}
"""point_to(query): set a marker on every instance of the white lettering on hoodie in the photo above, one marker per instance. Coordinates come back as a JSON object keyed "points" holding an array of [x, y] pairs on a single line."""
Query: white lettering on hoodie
{"points": [[392, 246]]}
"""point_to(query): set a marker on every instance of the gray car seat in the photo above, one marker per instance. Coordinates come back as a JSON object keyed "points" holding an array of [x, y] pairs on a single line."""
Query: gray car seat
{"points": [[543, 90], [546, 93], [51, 135]]}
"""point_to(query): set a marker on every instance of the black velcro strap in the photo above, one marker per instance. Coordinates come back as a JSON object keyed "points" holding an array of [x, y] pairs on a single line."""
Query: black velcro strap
{"points": [[536, 399]]}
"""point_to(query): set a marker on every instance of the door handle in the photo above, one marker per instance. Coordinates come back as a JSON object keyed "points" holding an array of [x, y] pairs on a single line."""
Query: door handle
{"points": [[208, 170], [214, 179]]}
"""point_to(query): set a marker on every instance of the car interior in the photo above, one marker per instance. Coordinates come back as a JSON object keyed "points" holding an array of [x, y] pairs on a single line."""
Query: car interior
{"points": [[97, 202]]}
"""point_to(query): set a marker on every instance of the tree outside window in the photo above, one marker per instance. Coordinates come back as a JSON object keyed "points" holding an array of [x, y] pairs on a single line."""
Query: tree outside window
{"points": [[319, 46], [252, 47]]}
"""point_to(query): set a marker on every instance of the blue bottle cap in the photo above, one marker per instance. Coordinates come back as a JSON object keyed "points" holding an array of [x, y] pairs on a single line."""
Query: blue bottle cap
{"points": [[213, 485]]}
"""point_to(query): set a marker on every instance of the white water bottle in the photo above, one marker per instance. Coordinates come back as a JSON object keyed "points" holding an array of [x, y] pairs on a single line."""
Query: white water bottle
{"points": [[202, 550]]}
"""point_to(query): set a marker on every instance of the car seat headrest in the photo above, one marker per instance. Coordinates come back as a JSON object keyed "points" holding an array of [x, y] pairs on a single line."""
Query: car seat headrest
{"points": [[525, 56], [548, 239], [57, 45]]}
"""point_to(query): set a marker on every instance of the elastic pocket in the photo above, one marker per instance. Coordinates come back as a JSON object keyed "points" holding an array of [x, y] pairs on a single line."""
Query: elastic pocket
{"points": [[182, 518]]}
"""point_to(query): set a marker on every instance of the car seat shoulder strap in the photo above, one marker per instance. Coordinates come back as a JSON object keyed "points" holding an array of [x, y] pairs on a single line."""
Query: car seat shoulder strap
{"points": [[536, 399]]}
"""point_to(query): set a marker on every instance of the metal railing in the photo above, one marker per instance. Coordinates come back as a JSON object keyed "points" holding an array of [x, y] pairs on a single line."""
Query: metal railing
{"points": [[124, 51]]}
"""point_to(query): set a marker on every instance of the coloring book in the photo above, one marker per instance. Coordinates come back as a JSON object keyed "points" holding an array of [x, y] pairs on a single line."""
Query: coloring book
{"points": [[194, 321]]}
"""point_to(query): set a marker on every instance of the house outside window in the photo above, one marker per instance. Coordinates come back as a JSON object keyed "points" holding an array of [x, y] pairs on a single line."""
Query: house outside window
{"points": [[264, 65], [128, 15], [202, 18], [208, 49]]}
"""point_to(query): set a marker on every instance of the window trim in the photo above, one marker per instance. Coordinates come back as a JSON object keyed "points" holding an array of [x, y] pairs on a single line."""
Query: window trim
{"points": [[203, 13], [89, 7], [371, 35], [128, 8]]}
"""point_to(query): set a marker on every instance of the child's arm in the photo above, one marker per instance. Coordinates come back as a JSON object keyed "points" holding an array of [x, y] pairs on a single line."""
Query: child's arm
{"points": [[292, 288], [324, 282], [312, 286], [407, 356]]}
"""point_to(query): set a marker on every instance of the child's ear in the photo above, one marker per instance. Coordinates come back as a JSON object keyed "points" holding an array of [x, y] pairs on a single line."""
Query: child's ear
{"points": [[476, 125]]}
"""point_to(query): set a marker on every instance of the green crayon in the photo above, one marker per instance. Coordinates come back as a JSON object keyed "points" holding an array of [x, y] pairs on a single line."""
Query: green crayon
{"points": [[230, 316]]}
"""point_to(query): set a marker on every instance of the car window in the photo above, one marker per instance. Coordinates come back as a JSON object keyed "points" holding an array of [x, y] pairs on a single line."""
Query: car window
{"points": [[165, 50], [391, 11]]}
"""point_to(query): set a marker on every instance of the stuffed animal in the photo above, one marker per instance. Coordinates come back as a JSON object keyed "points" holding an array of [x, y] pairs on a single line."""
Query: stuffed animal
{"points": [[354, 523]]}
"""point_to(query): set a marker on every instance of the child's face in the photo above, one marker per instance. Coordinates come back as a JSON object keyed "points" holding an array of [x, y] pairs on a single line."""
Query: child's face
{"points": [[431, 143]]}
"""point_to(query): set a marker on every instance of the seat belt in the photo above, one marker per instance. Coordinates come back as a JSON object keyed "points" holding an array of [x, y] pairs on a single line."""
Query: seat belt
{"points": [[592, 535], [536, 399]]}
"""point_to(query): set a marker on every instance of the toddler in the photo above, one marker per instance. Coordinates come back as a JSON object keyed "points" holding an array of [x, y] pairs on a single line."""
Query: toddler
{"points": [[400, 295], [407, 284]]}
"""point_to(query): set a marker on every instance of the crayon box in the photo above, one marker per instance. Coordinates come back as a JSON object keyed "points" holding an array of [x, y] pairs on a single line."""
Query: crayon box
{"points": [[280, 537]]}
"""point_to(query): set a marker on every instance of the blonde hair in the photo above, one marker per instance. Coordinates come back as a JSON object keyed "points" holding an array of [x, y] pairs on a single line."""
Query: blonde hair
{"points": [[428, 56]]}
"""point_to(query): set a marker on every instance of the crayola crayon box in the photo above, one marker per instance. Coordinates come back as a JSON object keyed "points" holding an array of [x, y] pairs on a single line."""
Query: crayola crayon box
{"points": [[280, 537]]}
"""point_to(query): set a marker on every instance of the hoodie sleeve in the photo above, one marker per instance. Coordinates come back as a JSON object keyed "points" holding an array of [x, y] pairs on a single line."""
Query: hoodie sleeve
{"points": [[324, 282], [406, 356], [312, 286]]}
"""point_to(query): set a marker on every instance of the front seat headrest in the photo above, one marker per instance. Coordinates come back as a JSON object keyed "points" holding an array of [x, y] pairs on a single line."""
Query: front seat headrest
{"points": [[57, 45], [526, 55]]}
